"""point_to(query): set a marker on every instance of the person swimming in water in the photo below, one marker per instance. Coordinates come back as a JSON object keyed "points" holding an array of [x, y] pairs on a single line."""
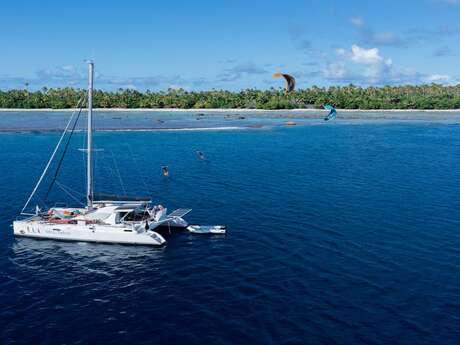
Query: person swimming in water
{"points": [[200, 155]]}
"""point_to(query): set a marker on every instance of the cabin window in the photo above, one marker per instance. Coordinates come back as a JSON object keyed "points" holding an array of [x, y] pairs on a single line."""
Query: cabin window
{"points": [[130, 216], [120, 216]]}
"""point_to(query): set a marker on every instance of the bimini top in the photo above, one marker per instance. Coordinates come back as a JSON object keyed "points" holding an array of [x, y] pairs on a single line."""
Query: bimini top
{"points": [[99, 198]]}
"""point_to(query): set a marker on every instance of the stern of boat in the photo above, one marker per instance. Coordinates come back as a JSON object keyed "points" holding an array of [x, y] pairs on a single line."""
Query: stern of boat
{"points": [[159, 240]]}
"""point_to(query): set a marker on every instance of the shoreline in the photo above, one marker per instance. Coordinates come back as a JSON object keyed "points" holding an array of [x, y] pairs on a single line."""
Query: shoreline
{"points": [[234, 110], [172, 129], [173, 119], [39, 130]]}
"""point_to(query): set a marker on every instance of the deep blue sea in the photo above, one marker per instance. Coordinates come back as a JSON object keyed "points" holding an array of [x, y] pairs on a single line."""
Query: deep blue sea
{"points": [[338, 233]]}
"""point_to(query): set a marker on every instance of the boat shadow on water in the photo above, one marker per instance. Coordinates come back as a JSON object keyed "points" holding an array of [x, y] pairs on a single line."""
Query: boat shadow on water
{"points": [[26, 248], [31, 255]]}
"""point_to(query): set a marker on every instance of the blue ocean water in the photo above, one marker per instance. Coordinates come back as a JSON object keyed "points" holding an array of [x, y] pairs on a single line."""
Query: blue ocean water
{"points": [[338, 234]]}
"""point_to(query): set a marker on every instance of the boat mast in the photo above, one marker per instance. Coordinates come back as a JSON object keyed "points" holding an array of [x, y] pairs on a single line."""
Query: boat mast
{"points": [[89, 163]]}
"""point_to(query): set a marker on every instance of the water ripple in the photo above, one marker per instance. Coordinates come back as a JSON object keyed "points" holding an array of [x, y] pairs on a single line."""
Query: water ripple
{"points": [[337, 234]]}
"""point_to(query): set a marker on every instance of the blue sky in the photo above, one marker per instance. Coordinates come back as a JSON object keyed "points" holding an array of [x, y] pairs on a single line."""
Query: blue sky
{"points": [[234, 44]]}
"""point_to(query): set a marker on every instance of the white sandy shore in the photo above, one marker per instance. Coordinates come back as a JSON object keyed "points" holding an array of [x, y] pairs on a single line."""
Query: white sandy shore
{"points": [[171, 110]]}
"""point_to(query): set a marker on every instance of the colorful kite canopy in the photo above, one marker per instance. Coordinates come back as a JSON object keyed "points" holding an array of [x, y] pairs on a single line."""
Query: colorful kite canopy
{"points": [[290, 81]]}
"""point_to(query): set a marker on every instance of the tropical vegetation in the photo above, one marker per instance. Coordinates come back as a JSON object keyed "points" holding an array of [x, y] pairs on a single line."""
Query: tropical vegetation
{"points": [[431, 96]]}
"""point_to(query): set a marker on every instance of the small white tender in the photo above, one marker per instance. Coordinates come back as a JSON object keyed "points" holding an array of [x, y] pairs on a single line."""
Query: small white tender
{"points": [[207, 229]]}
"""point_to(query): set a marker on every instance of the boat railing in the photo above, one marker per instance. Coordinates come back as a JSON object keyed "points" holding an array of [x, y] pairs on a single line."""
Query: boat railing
{"points": [[25, 216]]}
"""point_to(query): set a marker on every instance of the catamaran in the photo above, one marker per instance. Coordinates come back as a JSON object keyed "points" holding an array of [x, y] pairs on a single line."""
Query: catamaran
{"points": [[105, 218]]}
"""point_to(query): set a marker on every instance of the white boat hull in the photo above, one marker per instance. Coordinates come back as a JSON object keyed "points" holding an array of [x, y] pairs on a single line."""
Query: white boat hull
{"points": [[207, 229], [86, 233]]}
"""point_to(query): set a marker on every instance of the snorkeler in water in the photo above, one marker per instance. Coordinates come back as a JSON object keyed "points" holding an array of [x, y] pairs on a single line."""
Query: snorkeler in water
{"points": [[200, 155]]}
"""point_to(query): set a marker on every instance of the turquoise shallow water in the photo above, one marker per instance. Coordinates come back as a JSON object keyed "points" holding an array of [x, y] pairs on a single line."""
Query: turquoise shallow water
{"points": [[338, 233], [37, 121]]}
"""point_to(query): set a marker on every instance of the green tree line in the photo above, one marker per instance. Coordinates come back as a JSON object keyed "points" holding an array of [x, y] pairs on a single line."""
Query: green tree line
{"points": [[430, 96]]}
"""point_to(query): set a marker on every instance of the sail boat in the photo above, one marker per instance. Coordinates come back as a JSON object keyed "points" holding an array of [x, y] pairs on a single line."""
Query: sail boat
{"points": [[106, 218]]}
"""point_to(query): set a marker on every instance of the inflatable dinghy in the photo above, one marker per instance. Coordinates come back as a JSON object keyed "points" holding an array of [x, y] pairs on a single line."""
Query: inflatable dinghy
{"points": [[207, 229]]}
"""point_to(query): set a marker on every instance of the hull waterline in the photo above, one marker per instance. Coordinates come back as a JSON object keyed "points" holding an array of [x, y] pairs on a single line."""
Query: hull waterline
{"points": [[86, 233]]}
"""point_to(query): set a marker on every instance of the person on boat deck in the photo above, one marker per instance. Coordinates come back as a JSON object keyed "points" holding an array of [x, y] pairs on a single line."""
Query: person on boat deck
{"points": [[156, 211]]}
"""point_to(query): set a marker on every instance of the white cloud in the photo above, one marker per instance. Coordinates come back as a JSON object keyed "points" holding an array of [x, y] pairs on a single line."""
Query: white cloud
{"points": [[368, 67], [69, 75], [358, 64], [387, 38], [443, 51], [130, 86], [335, 71], [376, 68], [357, 22], [68, 72], [370, 37], [367, 56], [437, 78], [240, 70]]}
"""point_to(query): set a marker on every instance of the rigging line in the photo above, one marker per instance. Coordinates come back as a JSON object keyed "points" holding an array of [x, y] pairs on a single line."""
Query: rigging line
{"points": [[106, 172], [118, 172], [66, 190], [105, 162], [43, 201], [137, 166], [68, 193], [72, 190], [51, 158], [95, 168], [110, 169], [83, 155], [63, 153]]}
